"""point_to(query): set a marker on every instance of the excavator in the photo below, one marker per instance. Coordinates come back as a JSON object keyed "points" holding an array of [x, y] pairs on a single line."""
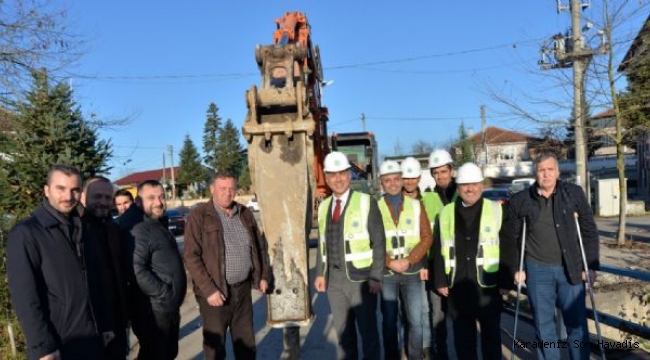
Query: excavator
{"points": [[286, 131]]}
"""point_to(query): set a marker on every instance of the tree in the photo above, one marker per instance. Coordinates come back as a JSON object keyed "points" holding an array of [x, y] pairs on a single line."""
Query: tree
{"points": [[465, 145], [422, 147], [397, 147], [229, 150], [245, 180], [33, 35], [190, 168], [211, 131], [50, 129]]}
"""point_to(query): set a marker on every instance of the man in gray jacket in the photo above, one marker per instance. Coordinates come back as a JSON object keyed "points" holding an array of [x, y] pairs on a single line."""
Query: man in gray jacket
{"points": [[160, 275]]}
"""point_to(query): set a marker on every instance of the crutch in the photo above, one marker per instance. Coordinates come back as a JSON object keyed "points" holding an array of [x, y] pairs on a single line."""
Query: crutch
{"points": [[590, 288], [521, 268]]}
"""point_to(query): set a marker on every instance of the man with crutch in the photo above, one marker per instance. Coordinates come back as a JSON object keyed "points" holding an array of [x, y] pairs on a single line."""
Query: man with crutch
{"points": [[556, 250]]}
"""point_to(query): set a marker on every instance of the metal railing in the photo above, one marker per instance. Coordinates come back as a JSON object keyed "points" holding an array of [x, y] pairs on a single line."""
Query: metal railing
{"points": [[605, 318]]}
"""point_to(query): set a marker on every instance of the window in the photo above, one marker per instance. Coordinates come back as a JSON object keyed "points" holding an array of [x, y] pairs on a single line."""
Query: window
{"points": [[507, 153]]}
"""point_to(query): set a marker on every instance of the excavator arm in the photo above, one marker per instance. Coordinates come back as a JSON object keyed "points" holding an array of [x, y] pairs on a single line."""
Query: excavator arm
{"points": [[286, 130]]}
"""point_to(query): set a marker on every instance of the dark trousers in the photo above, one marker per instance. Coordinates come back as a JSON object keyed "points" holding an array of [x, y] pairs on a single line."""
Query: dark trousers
{"points": [[353, 306], [236, 314], [157, 334], [438, 325], [467, 304], [117, 348]]}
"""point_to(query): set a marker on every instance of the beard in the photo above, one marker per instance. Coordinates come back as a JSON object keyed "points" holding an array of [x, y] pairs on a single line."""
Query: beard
{"points": [[155, 212]]}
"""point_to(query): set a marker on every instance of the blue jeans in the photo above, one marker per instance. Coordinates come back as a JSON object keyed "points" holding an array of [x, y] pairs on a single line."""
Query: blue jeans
{"points": [[408, 288], [548, 288]]}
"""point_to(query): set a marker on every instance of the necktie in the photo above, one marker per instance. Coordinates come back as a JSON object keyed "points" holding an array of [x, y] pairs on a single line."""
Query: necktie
{"points": [[337, 211]]}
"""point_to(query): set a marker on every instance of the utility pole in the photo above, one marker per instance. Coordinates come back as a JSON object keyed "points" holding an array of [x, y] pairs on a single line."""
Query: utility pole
{"points": [[164, 177], [363, 122], [578, 83], [171, 155], [570, 50], [484, 138]]}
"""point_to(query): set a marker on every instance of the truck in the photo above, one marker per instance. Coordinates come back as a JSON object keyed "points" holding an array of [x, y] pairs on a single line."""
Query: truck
{"points": [[361, 150]]}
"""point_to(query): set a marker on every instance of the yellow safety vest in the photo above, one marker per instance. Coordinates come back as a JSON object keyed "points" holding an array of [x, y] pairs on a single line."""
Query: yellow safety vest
{"points": [[358, 252], [433, 204], [403, 237], [487, 256]]}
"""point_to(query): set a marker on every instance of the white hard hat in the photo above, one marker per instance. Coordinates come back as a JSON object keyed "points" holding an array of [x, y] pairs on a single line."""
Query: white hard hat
{"points": [[389, 167], [335, 162], [411, 168], [439, 158], [469, 173]]}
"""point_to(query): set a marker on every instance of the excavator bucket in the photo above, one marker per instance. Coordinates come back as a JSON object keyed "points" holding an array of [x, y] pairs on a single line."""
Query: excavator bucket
{"points": [[284, 195]]}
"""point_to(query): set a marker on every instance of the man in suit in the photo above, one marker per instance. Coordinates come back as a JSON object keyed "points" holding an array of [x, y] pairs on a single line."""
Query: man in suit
{"points": [[352, 250]]}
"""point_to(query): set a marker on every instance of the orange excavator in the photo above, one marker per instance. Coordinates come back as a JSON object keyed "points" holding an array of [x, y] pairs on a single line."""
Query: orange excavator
{"points": [[286, 131]]}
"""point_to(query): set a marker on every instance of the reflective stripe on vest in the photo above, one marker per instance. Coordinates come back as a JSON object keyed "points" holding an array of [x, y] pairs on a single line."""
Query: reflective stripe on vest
{"points": [[401, 239], [487, 256], [356, 238]]}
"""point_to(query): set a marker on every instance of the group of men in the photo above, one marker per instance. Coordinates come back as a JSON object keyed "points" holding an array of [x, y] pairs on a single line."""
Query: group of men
{"points": [[450, 253], [78, 278]]}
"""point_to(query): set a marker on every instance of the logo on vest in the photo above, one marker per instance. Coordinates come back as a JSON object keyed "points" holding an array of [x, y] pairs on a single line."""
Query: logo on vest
{"points": [[488, 229], [409, 221], [355, 224]]}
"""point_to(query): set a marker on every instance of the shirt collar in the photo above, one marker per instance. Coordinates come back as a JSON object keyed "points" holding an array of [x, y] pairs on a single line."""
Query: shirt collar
{"points": [[344, 197]]}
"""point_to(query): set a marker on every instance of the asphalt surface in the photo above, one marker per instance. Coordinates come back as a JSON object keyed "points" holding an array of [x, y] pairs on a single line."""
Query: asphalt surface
{"points": [[317, 339]]}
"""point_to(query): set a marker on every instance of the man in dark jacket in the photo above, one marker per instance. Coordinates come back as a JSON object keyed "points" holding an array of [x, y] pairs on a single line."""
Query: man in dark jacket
{"points": [[554, 271], [225, 255], [468, 252], [97, 198], [160, 276], [50, 269]]}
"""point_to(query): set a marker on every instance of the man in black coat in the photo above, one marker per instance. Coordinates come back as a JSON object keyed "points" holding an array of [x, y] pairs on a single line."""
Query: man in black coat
{"points": [[160, 277], [51, 272], [97, 199], [554, 271]]}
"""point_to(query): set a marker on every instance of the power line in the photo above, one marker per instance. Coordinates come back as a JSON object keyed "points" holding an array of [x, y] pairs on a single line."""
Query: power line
{"points": [[239, 75]]}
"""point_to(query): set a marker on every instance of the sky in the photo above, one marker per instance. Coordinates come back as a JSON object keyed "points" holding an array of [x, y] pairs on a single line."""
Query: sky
{"points": [[415, 69]]}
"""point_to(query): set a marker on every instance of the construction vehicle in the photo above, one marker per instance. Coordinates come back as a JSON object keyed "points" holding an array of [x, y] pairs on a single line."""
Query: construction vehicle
{"points": [[287, 142], [361, 150]]}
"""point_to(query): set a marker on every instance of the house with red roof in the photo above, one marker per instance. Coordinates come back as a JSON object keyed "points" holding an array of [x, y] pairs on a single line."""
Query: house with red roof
{"points": [[131, 181], [501, 147]]}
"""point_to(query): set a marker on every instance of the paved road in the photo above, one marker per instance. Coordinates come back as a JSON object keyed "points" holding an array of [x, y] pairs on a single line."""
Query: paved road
{"points": [[318, 342]]}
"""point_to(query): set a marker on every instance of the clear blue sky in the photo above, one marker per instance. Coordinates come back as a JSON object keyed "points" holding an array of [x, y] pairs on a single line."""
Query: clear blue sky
{"points": [[416, 69]]}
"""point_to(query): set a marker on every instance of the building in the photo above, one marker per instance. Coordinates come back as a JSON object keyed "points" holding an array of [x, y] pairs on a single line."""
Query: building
{"points": [[165, 176], [508, 154], [638, 52], [603, 127]]}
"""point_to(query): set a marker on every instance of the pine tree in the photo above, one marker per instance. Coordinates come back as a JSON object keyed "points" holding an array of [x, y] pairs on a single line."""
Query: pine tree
{"points": [[211, 131], [245, 181], [465, 145], [229, 149], [634, 102], [51, 130], [191, 171]]}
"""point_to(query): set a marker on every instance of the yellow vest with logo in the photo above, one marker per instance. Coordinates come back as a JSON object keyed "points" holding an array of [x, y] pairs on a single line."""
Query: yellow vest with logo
{"points": [[355, 232], [487, 258], [403, 237]]}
